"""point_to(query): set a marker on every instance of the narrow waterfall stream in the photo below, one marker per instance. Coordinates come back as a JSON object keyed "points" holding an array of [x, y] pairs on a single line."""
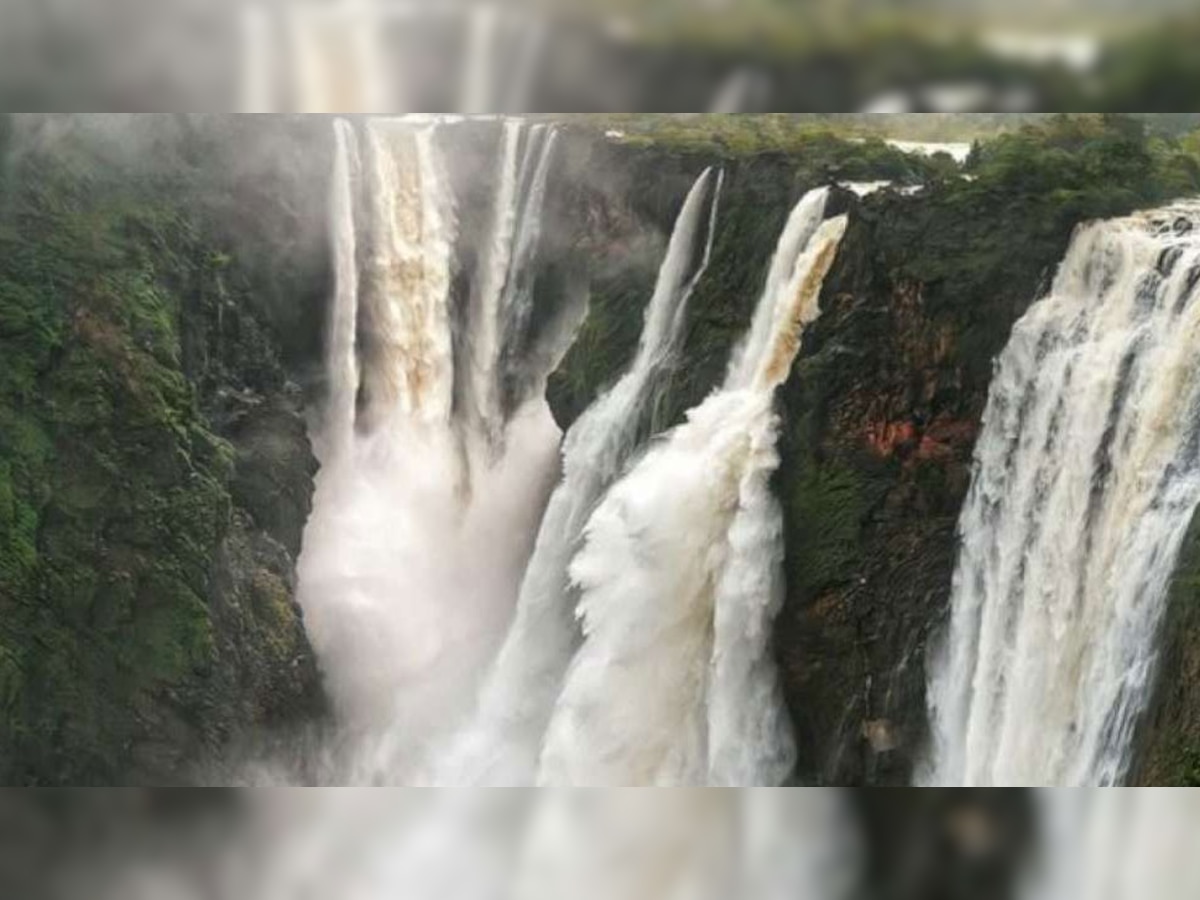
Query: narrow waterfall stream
{"points": [[502, 301], [1087, 474]]}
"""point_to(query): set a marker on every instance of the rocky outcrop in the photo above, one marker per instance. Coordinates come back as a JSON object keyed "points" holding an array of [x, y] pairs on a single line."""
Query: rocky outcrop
{"points": [[618, 214], [154, 473], [882, 409], [880, 419]]}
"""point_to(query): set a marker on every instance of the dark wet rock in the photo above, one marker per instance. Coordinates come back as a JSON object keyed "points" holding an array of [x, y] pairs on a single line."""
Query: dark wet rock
{"points": [[883, 407]]}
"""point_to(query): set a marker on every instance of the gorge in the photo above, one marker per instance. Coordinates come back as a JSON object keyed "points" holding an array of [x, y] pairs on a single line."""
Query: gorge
{"points": [[484, 451]]}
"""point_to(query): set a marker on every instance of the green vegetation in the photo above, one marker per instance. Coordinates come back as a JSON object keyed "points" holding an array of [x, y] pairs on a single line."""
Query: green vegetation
{"points": [[828, 504], [1189, 769], [821, 148], [1090, 163], [1025, 193], [114, 490], [137, 597]]}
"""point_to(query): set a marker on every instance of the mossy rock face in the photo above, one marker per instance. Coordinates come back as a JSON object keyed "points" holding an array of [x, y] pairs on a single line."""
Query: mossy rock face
{"points": [[882, 409], [618, 203], [159, 329], [125, 329]]}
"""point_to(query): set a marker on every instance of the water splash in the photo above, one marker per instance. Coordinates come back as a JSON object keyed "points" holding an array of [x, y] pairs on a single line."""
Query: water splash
{"points": [[502, 745], [1087, 474], [679, 576], [477, 845], [420, 530]]}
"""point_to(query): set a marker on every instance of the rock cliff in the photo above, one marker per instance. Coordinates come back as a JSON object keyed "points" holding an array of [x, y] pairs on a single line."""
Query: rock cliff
{"points": [[882, 409], [154, 468]]}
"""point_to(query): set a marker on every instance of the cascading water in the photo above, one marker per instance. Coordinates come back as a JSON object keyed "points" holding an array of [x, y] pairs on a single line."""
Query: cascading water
{"points": [[1087, 474], [420, 528], [688, 845], [407, 579], [481, 25], [408, 367], [501, 746], [679, 575], [341, 362]]}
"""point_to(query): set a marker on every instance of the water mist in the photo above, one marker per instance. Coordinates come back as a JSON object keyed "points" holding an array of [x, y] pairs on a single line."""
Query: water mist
{"points": [[421, 526], [502, 745]]}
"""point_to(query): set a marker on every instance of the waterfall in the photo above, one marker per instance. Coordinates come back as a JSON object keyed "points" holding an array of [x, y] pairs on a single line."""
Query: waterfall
{"points": [[409, 367], [256, 90], [502, 301], [420, 526], [442, 571], [743, 90], [340, 360], [481, 25], [772, 326], [1087, 473], [679, 577], [687, 845], [502, 745], [336, 52]]}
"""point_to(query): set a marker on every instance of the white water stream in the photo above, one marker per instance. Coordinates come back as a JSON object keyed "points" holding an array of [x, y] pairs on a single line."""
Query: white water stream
{"points": [[441, 590], [1087, 475], [680, 575]]}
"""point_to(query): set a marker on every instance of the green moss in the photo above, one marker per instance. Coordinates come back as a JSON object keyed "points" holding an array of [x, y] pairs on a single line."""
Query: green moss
{"points": [[1188, 768], [827, 503], [605, 343], [10, 679], [113, 489]]}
